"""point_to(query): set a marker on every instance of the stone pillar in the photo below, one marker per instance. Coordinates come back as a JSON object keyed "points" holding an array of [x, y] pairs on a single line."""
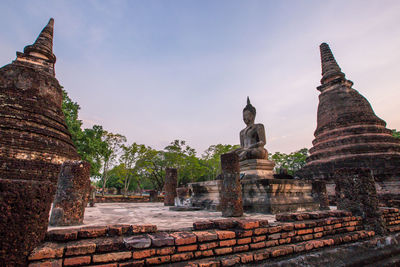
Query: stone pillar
{"points": [[320, 195], [231, 189], [356, 192], [171, 182], [72, 194], [153, 196], [92, 196]]}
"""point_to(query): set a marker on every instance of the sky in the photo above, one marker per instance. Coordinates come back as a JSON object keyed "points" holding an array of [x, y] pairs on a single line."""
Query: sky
{"points": [[156, 70]]}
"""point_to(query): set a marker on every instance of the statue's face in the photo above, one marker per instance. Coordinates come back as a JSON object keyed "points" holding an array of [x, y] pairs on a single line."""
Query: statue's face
{"points": [[248, 117]]}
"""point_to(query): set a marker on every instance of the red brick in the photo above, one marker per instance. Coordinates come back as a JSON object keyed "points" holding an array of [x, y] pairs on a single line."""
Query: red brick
{"points": [[210, 245], [288, 227], [318, 235], [118, 229], [317, 243], [206, 236], [262, 255], [261, 231], [318, 229], [346, 238], [220, 251], [165, 251], [271, 243], [146, 253], [243, 233], [307, 237], [223, 224], [246, 257], [161, 239], [187, 248], [75, 261], [304, 231], [284, 240], [240, 248], [182, 256], [158, 260], [137, 242], [227, 243], [203, 225], [138, 263], [92, 231], [184, 238], [257, 245], [48, 263], [281, 251], [62, 235], [274, 229], [47, 250], [230, 261], [107, 265], [297, 238], [114, 256], [107, 244], [328, 242], [144, 228], [338, 225], [204, 253], [208, 263], [242, 241], [80, 247], [299, 247], [225, 234], [247, 224], [299, 225], [259, 238], [274, 236], [308, 245]]}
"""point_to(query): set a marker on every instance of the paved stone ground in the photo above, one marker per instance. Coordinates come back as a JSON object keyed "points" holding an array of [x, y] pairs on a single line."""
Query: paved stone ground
{"points": [[150, 213]]}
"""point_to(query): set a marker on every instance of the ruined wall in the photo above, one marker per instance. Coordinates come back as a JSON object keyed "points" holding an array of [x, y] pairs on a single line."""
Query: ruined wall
{"points": [[223, 242]]}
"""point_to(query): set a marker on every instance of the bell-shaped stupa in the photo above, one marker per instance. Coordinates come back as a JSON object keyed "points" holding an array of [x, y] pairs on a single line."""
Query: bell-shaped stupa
{"points": [[348, 133], [34, 142]]}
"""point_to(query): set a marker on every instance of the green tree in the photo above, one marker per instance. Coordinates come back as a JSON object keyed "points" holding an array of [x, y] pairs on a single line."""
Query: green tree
{"points": [[129, 158], [292, 162], [152, 166], [88, 142], [212, 158], [108, 156], [396, 133]]}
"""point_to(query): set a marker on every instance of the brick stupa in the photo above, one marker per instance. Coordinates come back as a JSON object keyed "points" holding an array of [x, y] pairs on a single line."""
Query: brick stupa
{"points": [[34, 142], [348, 134]]}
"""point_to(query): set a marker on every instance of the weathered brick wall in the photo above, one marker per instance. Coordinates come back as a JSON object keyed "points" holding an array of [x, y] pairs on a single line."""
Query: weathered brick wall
{"points": [[224, 242]]}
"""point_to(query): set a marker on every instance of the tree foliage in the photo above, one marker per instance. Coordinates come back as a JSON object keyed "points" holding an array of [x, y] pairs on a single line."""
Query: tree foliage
{"points": [[396, 133], [291, 162]]}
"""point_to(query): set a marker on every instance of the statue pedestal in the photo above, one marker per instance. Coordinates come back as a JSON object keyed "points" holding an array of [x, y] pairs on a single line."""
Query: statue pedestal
{"points": [[277, 195], [257, 168], [268, 196]]}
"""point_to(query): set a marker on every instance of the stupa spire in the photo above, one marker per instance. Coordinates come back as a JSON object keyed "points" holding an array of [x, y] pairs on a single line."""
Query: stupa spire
{"points": [[330, 68], [43, 45]]}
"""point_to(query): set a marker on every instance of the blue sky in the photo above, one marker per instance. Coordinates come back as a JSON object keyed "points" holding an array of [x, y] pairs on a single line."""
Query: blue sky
{"points": [[156, 71]]}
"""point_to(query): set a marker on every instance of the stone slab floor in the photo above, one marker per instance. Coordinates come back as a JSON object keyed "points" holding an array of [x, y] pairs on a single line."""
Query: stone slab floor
{"points": [[150, 213]]}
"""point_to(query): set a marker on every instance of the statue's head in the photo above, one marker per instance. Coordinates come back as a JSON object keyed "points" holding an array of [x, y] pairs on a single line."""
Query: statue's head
{"points": [[249, 113]]}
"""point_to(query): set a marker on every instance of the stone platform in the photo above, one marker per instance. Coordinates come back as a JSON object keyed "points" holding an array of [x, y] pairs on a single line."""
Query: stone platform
{"points": [[259, 195], [257, 168]]}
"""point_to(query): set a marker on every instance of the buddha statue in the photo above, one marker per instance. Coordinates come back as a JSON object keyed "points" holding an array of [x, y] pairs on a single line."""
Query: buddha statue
{"points": [[252, 138]]}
